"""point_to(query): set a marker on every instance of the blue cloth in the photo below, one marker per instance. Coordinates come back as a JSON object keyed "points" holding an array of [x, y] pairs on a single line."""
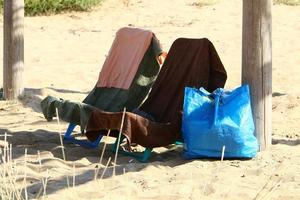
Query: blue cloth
{"points": [[213, 120]]}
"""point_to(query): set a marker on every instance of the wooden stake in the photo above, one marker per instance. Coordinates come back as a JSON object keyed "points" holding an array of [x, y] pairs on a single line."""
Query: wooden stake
{"points": [[223, 152], [39, 160], [25, 174], [13, 49], [118, 142], [10, 152], [45, 184], [5, 147], [101, 157], [61, 143], [74, 175], [257, 65], [60, 137], [105, 168]]}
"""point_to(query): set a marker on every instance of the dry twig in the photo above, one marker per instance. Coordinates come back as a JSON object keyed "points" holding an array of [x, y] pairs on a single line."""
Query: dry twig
{"points": [[118, 142]]}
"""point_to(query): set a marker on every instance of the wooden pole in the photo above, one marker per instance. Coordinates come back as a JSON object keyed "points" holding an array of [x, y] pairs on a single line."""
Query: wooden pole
{"points": [[13, 49], [257, 65]]}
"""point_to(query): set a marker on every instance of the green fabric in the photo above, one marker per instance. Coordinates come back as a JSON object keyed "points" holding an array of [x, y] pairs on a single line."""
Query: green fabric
{"points": [[108, 99], [115, 99], [73, 112]]}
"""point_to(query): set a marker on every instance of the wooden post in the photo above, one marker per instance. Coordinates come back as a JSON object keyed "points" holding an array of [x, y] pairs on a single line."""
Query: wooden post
{"points": [[13, 49], [257, 65]]}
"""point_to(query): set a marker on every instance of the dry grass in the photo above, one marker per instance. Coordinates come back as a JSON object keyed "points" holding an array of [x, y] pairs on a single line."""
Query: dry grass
{"points": [[8, 174], [10, 188], [287, 2], [126, 3], [46, 7], [201, 3]]}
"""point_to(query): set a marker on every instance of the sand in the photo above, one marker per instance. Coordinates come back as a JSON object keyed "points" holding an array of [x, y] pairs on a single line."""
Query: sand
{"points": [[63, 56]]}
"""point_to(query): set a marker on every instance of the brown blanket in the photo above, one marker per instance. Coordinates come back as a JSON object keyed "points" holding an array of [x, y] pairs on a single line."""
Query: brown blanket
{"points": [[190, 62]]}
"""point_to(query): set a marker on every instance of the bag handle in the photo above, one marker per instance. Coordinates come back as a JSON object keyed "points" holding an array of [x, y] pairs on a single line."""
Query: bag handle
{"points": [[217, 94]]}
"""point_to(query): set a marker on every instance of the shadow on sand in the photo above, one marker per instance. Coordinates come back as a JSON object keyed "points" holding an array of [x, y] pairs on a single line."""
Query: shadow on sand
{"points": [[289, 142], [47, 141]]}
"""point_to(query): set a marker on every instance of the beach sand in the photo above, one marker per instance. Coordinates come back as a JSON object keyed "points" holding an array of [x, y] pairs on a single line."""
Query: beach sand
{"points": [[63, 56]]}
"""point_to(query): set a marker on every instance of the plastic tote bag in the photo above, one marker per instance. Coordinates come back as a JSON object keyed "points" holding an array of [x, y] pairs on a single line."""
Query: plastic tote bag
{"points": [[213, 120]]}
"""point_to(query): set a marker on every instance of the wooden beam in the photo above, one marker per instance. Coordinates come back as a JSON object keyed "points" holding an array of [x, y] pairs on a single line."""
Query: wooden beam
{"points": [[13, 49], [257, 64]]}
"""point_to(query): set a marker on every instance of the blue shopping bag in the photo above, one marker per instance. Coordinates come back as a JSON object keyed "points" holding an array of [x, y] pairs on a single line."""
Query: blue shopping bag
{"points": [[213, 120]]}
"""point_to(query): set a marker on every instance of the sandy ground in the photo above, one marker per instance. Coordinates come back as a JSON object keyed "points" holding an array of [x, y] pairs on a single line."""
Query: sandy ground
{"points": [[63, 56]]}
